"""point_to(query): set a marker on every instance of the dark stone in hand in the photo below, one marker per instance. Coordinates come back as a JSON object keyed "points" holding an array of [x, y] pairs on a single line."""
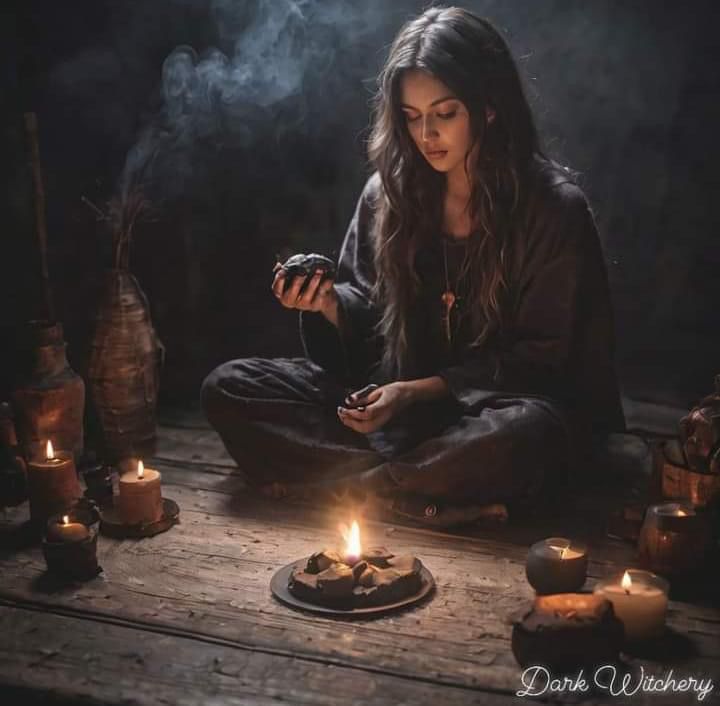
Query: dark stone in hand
{"points": [[302, 265]]}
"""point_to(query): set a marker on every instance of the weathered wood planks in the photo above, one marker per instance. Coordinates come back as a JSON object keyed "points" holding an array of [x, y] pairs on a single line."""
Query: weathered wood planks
{"points": [[205, 583]]}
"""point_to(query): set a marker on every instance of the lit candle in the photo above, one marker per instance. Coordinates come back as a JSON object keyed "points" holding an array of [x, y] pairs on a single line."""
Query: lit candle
{"points": [[674, 539], [640, 600], [140, 499], [53, 484], [556, 565], [67, 531], [353, 548], [50, 457], [70, 547]]}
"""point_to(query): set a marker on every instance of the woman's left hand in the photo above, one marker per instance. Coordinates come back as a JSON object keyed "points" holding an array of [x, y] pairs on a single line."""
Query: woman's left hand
{"points": [[381, 406]]}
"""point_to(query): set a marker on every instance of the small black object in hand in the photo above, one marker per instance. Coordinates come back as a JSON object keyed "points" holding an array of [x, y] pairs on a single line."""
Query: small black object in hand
{"points": [[302, 265], [359, 397]]}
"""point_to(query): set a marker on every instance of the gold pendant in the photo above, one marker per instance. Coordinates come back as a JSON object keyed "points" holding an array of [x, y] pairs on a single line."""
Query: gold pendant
{"points": [[448, 298]]}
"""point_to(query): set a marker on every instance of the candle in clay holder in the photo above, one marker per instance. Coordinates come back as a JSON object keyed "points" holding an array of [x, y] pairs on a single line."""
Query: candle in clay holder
{"points": [[66, 531], [556, 565], [674, 539], [640, 600], [139, 499], [53, 484], [70, 547]]}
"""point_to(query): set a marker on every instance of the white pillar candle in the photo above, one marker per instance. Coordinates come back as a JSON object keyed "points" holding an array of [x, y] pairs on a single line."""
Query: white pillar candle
{"points": [[140, 499], [640, 600]]}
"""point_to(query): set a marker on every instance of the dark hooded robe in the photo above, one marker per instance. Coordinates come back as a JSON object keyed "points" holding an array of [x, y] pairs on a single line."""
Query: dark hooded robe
{"points": [[519, 407]]}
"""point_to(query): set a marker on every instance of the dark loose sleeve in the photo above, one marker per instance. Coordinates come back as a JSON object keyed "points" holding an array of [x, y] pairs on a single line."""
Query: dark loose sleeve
{"points": [[352, 350], [560, 333]]}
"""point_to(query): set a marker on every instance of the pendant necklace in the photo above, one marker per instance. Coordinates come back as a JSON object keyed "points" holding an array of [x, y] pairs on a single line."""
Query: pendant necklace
{"points": [[448, 297]]}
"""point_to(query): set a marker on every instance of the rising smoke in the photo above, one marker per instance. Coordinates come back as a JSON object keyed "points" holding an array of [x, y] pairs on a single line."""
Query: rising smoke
{"points": [[282, 54]]}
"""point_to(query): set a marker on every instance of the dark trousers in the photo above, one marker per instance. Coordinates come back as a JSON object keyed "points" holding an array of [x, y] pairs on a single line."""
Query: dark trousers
{"points": [[278, 420]]}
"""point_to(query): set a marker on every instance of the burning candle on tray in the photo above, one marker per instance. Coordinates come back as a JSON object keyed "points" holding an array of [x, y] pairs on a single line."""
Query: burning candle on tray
{"points": [[640, 600], [353, 548], [139, 499], [556, 565], [53, 484], [357, 577]]}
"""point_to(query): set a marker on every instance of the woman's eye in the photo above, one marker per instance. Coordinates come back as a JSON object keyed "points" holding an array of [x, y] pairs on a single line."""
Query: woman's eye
{"points": [[447, 116], [410, 118]]}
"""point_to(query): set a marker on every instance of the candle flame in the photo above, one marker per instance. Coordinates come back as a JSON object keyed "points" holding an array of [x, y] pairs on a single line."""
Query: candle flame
{"points": [[560, 550], [66, 519], [141, 469], [626, 582], [353, 549], [49, 451]]}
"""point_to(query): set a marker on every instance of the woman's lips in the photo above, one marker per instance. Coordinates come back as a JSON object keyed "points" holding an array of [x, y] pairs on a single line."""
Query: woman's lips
{"points": [[435, 154]]}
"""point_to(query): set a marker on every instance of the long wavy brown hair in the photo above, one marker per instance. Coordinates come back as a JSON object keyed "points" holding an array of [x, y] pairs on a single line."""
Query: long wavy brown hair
{"points": [[468, 55]]}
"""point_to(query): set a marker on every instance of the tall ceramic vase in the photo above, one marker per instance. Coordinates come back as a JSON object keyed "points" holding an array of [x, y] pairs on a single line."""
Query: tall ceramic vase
{"points": [[124, 371]]}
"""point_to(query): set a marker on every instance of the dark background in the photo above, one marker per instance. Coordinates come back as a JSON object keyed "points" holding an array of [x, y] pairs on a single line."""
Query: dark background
{"points": [[259, 149]]}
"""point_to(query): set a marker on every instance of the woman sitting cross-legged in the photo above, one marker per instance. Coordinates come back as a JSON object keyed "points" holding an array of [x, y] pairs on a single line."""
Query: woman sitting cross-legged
{"points": [[470, 288]]}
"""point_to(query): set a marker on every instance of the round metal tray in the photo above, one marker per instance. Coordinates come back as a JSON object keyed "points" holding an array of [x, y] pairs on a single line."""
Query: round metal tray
{"points": [[279, 588], [111, 525]]}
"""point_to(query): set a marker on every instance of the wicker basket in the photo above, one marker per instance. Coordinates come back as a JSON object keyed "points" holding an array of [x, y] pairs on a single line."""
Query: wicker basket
{"points": [[124, 371]]}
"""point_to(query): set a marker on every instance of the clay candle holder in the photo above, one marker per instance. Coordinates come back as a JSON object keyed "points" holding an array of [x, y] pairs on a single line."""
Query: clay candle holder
{"points": [[139, 499], [674, 539], [70, 544], [556, 565], [566, 631], [640, 600], [53, 484]]}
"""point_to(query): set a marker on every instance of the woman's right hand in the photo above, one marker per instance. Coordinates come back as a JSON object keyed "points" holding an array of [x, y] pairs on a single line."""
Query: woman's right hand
{"points": [[318, 295]]}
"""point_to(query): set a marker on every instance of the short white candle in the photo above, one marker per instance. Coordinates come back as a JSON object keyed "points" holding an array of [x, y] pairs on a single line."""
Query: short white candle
{"points": [[640, 600], [140, 499]]}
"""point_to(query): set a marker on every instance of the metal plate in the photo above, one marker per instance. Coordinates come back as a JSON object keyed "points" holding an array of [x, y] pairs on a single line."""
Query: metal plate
{"points": [[279, 588], [111, 525]]}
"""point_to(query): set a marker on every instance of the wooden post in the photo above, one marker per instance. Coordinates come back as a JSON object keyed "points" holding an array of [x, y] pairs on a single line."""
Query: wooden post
{"points": [[31, 130]]}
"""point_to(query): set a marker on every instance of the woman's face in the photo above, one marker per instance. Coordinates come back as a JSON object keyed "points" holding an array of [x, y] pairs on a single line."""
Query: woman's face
{"points": [[437, 121]]}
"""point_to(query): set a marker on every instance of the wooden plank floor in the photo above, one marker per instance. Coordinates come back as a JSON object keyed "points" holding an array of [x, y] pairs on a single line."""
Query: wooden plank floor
{"points": [[186, 617]]}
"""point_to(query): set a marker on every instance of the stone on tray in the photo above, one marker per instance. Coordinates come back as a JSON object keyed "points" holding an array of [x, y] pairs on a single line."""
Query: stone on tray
{"points": [[303, 585], [323, 560], [379, 578], [390, 586], [366, 577], [358, 569], [336, 581], [405, 563], [377, 556]]}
